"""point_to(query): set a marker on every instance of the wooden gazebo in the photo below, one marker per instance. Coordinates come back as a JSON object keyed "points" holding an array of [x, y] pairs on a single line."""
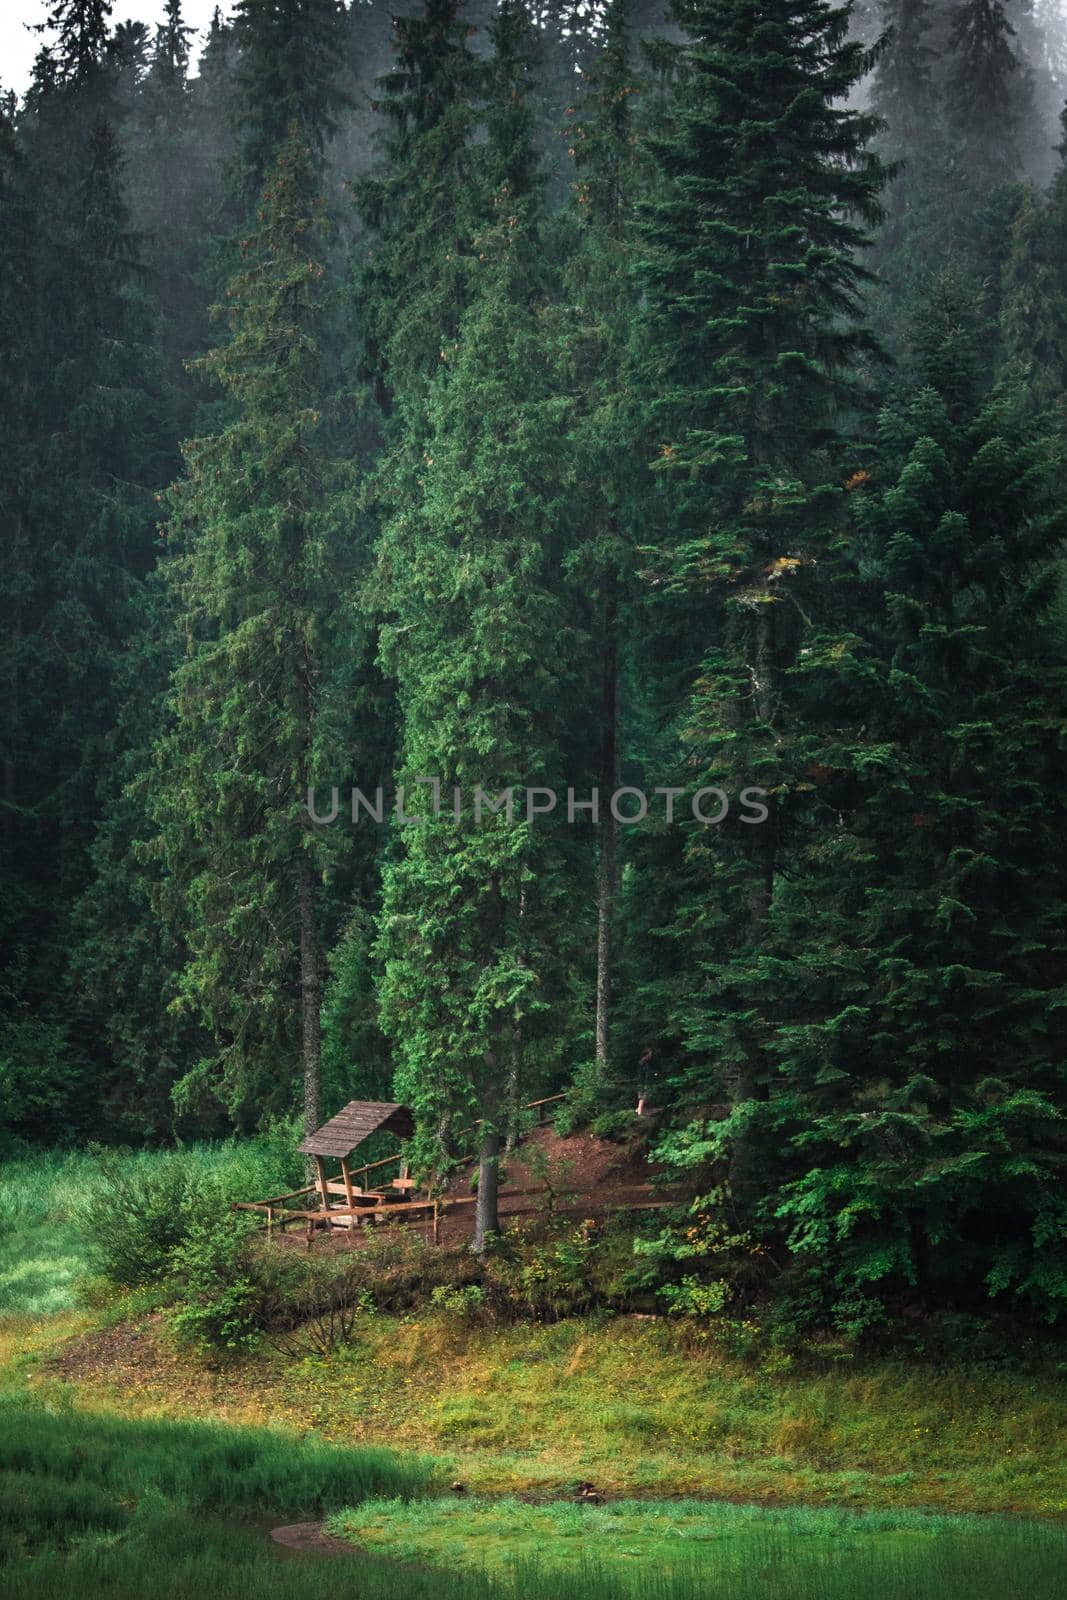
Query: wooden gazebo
{"points": [[344, 1133], [352, 1197]]}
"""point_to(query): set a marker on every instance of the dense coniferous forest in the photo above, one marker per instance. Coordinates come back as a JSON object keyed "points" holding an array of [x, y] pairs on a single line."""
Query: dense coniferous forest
{"points": [[498, 405]]}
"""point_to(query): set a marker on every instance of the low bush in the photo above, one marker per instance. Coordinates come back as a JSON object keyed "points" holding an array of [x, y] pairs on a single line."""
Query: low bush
{"points": [[140, 1207], [219, 1303], [137, 1212]]}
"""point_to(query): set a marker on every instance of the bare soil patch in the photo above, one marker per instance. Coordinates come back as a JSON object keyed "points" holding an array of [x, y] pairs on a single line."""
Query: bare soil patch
{"points": [[310, 1539]]}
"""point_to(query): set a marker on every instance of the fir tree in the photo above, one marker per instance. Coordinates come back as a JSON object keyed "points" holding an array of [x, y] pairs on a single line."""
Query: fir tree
{"points": [[596, 348], [81, 35], [1033, 311], [170, 60], [912, 244], [917, 952], [291, 56], [87, 457], [987, 94], [254, 583], [762, 181], [477, 639], [989, 119]]}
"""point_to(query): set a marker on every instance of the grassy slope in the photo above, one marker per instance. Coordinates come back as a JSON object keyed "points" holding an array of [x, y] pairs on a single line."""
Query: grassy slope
{"points": [[634, 1404], [629, 1404]]}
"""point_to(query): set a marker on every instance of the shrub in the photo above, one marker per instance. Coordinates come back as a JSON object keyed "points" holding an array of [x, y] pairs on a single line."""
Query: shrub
{"points": [[137, 1211], [321, 1302], [220, 1304], [550, 1277], [141, 1206], [462, 1305], [621, 1126]]}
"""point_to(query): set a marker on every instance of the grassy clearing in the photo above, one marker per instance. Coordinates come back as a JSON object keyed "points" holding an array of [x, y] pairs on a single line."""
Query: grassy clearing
{"points": [[43, 1250], [97, 1505], [739, 1551]]}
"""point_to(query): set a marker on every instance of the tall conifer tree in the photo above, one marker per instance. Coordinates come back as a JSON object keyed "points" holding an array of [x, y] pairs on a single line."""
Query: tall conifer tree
{"points": [[477, 640], [291, 54], [599, 318], [762, 183], [917, 955], [254, 581]]}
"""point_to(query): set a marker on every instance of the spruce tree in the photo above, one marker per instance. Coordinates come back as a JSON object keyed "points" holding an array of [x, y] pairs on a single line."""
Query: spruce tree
{"points": [[89, 452], [989, 121], [762, 182], [914, 240], [595, 345], [254, 578], [291, 54], [81, 35], [477, 639], [1033, 310], [411, 284], [988, 94], [916, 955]]}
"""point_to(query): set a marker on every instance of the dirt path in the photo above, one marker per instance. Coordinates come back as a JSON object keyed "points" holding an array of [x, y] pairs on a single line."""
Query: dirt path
{"points": [[311, 1539]]}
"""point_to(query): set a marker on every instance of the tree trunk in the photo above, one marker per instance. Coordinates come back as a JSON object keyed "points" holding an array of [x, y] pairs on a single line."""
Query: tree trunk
{"points": [[752, 1077], [310, 998], [487, 1209], [607, 861]]}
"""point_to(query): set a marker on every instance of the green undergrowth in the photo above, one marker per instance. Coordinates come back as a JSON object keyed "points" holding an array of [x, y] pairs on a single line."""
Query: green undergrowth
{"points": [[734, 1551], [48, 1244]]}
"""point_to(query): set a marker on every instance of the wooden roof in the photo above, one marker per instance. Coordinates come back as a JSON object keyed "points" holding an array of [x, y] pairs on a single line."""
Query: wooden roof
{"points": [[356, 1122]]}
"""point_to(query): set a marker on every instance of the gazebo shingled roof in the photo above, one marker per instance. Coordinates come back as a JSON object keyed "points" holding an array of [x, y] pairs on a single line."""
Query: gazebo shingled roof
{"points": [[356, 1122]]}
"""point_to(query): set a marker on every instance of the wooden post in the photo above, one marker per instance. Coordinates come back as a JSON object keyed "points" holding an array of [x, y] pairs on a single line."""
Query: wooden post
{"points": [[320, 1184], [348, 1186], [436, 1221]]}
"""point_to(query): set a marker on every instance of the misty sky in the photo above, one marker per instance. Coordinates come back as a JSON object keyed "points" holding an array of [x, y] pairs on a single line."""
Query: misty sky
{"points": [[18, 46]]}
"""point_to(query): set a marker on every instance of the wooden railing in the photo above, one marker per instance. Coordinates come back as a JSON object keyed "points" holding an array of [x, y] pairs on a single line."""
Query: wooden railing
{"points": [[374, 1202]]}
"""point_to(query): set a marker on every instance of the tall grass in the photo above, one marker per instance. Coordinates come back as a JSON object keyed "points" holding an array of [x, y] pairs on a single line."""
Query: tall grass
{"points": [[199, 1466], [47, 1200], [93, 1505], [736, 1552]]}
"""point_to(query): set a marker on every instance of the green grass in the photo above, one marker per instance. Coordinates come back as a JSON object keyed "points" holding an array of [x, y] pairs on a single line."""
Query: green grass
{"points": [[42, 1252], [738, 1552], [98, 1505], [43, 1249], [641, 1409], [200, 1466]]}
